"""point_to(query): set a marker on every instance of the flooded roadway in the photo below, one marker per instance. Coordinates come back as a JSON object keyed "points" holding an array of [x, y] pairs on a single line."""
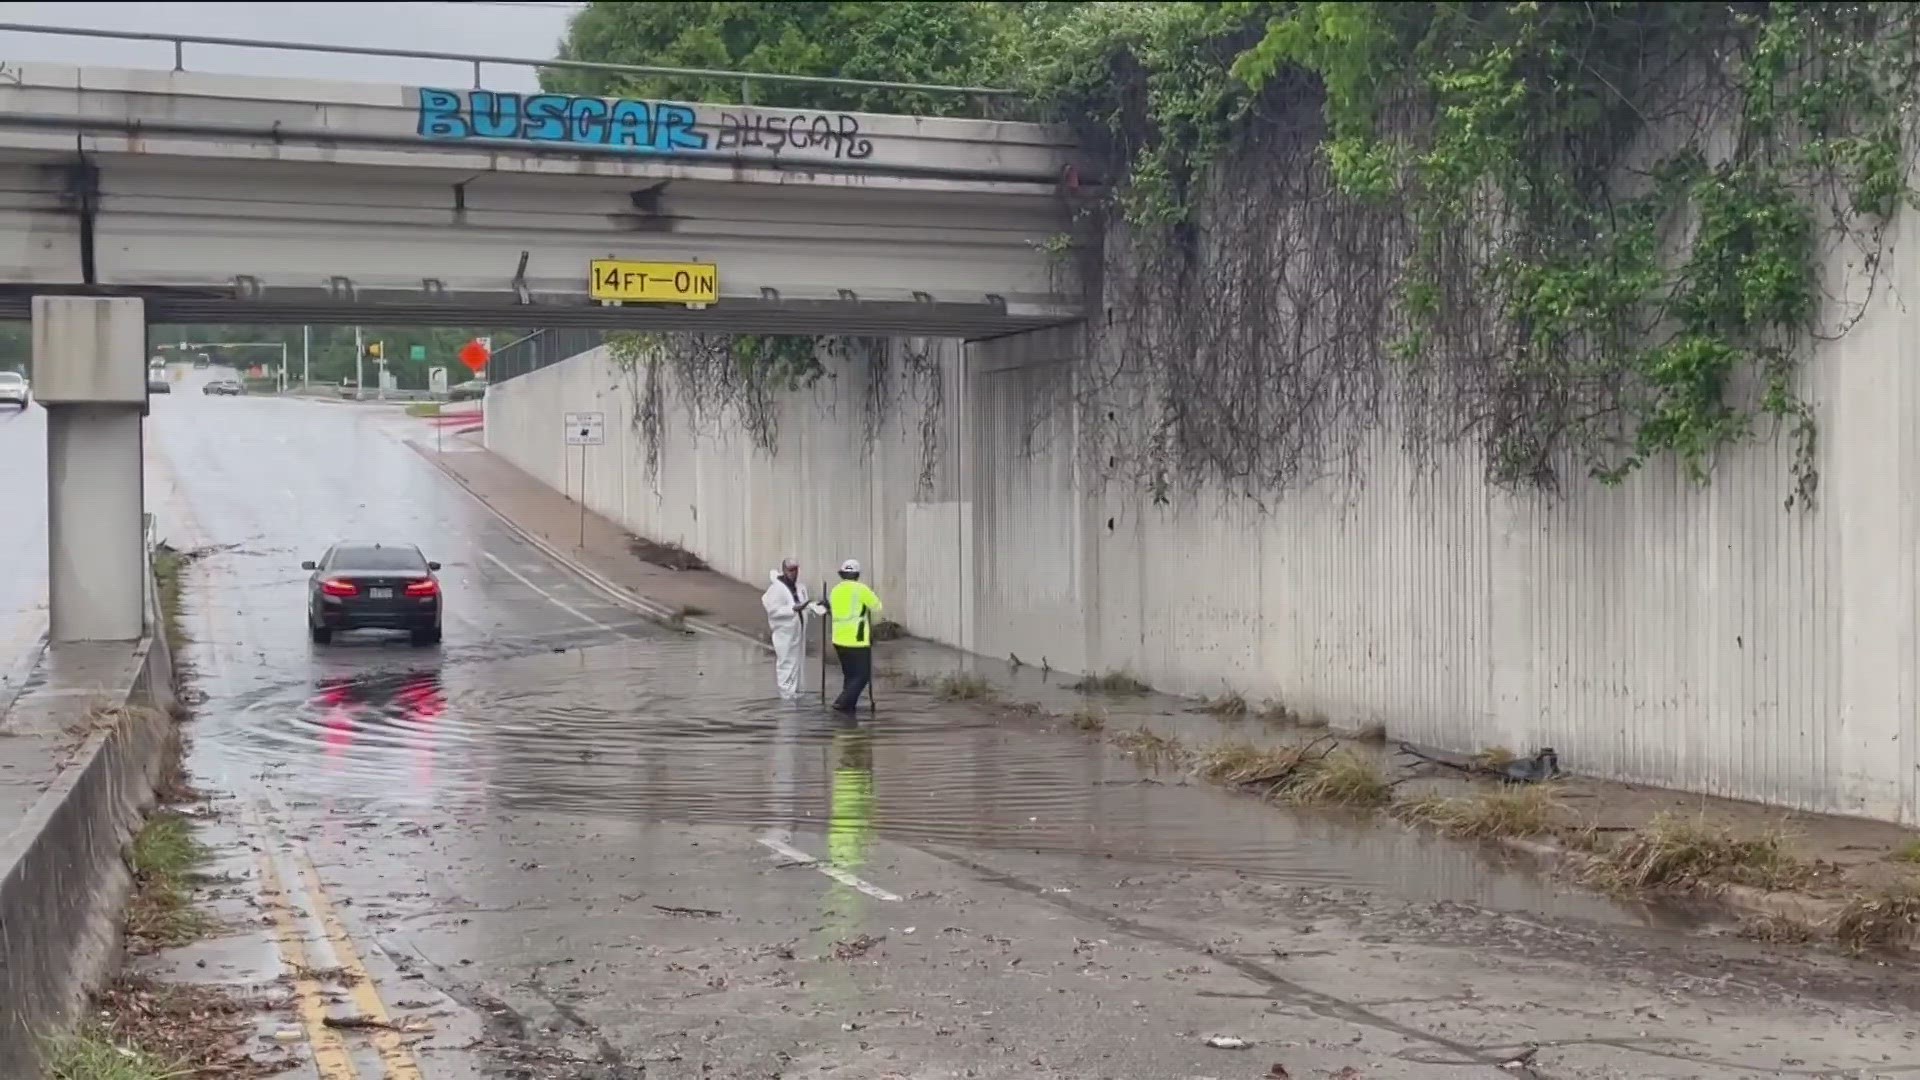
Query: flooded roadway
{"points": [[607, 840]]}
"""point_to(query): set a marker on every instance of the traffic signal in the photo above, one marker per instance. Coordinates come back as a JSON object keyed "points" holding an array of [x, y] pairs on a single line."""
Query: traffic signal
{"points": [[375, 349]]}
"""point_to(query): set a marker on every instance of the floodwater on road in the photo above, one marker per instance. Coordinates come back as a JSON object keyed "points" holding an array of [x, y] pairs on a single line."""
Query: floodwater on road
{"points": [[524, 785]]}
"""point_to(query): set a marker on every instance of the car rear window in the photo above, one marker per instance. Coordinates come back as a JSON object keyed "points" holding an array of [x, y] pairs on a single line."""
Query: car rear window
{"points": [[378, 558], [12, 376]]}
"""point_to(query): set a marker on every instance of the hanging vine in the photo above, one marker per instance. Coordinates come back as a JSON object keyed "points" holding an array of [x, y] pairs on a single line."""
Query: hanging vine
{"points": [[1580, 236], [726, 383]]}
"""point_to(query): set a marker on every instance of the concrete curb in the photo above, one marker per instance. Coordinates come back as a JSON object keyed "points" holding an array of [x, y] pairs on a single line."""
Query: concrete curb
{"points": [[613, 591], [64, 879]]}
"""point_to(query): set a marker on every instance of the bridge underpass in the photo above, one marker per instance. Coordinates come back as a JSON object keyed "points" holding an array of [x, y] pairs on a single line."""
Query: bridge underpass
{"points": [[133, 196]]}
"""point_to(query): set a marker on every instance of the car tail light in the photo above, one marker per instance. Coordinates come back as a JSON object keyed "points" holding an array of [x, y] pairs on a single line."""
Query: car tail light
{"points": [[428, 587], [337, 587]]}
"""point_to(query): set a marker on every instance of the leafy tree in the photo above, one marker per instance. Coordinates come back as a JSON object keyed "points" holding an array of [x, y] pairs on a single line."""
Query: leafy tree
{"points": [[950, 43]]}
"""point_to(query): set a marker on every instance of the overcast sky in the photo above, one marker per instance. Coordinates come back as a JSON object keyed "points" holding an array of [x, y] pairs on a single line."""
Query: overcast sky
{"points": [[512, 28]]}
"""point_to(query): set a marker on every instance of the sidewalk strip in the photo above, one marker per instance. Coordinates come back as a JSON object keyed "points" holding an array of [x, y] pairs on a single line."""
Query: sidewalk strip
{"points": [[794, 854], [394, 1054]]}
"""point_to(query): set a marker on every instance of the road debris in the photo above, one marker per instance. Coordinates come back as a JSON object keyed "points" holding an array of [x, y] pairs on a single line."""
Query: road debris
{"points": [[847, 950], [690, 912], [1227, 1042]]}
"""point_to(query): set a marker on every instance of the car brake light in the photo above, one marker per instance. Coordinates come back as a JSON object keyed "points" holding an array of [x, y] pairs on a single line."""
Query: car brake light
{"points": [[336, 587], [428, 587]]}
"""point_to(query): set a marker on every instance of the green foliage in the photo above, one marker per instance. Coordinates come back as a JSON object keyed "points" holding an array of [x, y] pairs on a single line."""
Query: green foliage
{"points": [[1613, 211], [945, 43]]}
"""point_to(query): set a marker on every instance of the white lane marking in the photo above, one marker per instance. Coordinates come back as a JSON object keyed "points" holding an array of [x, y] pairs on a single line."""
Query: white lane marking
{"points": [[552, 599], [794, 854]]}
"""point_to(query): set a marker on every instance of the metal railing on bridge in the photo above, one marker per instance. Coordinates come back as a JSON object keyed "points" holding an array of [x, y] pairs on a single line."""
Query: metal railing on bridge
{"points": [[542, 348], [992, 103]]}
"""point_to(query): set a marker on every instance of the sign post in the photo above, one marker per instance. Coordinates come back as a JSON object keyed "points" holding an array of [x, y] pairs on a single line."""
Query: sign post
{"points": [[585, 429]]}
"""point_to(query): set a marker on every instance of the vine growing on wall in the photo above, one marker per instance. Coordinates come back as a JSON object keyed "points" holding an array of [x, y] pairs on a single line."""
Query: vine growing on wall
{"points": [[1579, 235]]}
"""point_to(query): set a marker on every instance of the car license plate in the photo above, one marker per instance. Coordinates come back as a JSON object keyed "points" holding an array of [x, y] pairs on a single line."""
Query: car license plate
{"points": [[380, 594]]}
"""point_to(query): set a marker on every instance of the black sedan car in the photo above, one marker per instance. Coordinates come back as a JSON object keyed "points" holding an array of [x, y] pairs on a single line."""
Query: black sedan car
{"points": [[373, 587]]}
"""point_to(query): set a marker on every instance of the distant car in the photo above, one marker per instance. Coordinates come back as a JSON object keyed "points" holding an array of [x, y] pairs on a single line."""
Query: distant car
{"points": [[157, 382], [373, 587], [202, 361], [467, 391], [228, 387], [14, 389]]}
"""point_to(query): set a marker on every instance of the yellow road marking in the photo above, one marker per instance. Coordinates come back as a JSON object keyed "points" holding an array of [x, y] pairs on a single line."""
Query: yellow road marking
{"points": [[394, 1054], [330, 1056]]}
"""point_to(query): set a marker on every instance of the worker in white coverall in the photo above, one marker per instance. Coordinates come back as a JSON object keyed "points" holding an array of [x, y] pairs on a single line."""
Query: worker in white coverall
{"points": [[787, 606]]}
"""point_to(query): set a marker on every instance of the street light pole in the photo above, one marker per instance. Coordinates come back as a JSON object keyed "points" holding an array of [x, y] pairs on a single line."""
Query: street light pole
{"points": [[283, 365], [359, 357], [306, 357]]}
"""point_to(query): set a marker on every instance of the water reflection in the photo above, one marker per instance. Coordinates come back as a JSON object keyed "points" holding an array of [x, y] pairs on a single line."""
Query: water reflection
{"points": [[682, 729]]}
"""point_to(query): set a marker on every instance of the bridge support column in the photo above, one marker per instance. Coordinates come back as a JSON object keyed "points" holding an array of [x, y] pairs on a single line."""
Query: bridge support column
{"points": [[90, 372]]}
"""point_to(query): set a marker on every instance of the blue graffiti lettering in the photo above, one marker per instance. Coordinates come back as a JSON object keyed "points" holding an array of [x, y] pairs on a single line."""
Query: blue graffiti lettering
{"points": [[546, 118], [440, 115], [495, 116], [632, 126]]}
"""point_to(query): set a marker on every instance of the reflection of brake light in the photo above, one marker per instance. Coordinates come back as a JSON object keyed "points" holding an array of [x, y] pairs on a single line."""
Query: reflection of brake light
{"points": [[427, 587], [336, 587]]}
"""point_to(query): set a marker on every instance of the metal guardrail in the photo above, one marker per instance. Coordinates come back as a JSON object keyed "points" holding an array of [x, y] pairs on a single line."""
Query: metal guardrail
{"points": [[542, 348], [745, 79]]}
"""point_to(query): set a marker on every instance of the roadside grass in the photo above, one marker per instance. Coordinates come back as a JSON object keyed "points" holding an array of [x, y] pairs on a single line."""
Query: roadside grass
{"points": [[1532, 810], [1908, 852], [1880, 919], [1151, 747], [1494, 757], [1111, 682], [424, 408], [1775, 930], [144, 1030], [92, 1053], [962, 686], [1228, 706], [1679, 854], [1342, 778], [1090, 718], [164, 858], [169, 568], [1245, 763]]}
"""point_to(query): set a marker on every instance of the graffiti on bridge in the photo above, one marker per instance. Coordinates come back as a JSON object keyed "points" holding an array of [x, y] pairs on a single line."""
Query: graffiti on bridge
{"points": [[637, 126], [838, 134]]}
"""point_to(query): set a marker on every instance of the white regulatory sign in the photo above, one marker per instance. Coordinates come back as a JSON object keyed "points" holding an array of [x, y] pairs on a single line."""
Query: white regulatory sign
{"points": [[586, 428]]}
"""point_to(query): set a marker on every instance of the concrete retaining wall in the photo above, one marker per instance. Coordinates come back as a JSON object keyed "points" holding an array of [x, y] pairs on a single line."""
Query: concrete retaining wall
{"points": [[63, 872], [1664, 632]]}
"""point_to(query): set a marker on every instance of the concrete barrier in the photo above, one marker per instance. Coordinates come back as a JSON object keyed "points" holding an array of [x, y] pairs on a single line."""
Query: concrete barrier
{"points": [[84, 785]]}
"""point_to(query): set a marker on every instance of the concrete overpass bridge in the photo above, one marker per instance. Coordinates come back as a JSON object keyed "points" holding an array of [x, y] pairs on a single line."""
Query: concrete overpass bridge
{"points": [[133, 195], [235, 198]]}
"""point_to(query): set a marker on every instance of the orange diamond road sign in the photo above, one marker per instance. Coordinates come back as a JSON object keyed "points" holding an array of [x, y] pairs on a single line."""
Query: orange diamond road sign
{"points": [[474, 355]]}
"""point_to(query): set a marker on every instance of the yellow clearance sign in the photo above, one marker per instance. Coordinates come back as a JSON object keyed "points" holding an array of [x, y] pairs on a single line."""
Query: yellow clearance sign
{"points": [[654, 282]]}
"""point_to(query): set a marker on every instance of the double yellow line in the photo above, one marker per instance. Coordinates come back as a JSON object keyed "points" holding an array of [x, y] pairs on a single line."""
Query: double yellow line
{"points": [[330, 1054]]}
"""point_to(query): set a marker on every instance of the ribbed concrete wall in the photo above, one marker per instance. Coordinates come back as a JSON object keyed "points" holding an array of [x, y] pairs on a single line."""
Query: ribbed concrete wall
{"points": [[1695, 637]]}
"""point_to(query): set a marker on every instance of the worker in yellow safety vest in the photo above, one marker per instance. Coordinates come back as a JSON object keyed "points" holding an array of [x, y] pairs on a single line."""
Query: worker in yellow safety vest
{"points": [[853, 607]]}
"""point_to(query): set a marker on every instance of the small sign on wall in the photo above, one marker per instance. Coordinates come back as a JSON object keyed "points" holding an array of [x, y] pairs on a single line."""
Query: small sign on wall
{"points": [[586, 428]]}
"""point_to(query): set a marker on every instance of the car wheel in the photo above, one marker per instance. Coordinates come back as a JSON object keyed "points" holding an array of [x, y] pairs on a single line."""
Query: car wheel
{"points": [[321, 634], [423, 638]]}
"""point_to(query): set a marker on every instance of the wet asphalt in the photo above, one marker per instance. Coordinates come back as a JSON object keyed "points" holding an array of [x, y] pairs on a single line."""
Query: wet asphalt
{"points": [[599, 847]]}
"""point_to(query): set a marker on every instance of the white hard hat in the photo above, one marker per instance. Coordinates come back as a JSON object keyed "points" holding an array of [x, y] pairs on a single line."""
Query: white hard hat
{"points": [[851, 566]]}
